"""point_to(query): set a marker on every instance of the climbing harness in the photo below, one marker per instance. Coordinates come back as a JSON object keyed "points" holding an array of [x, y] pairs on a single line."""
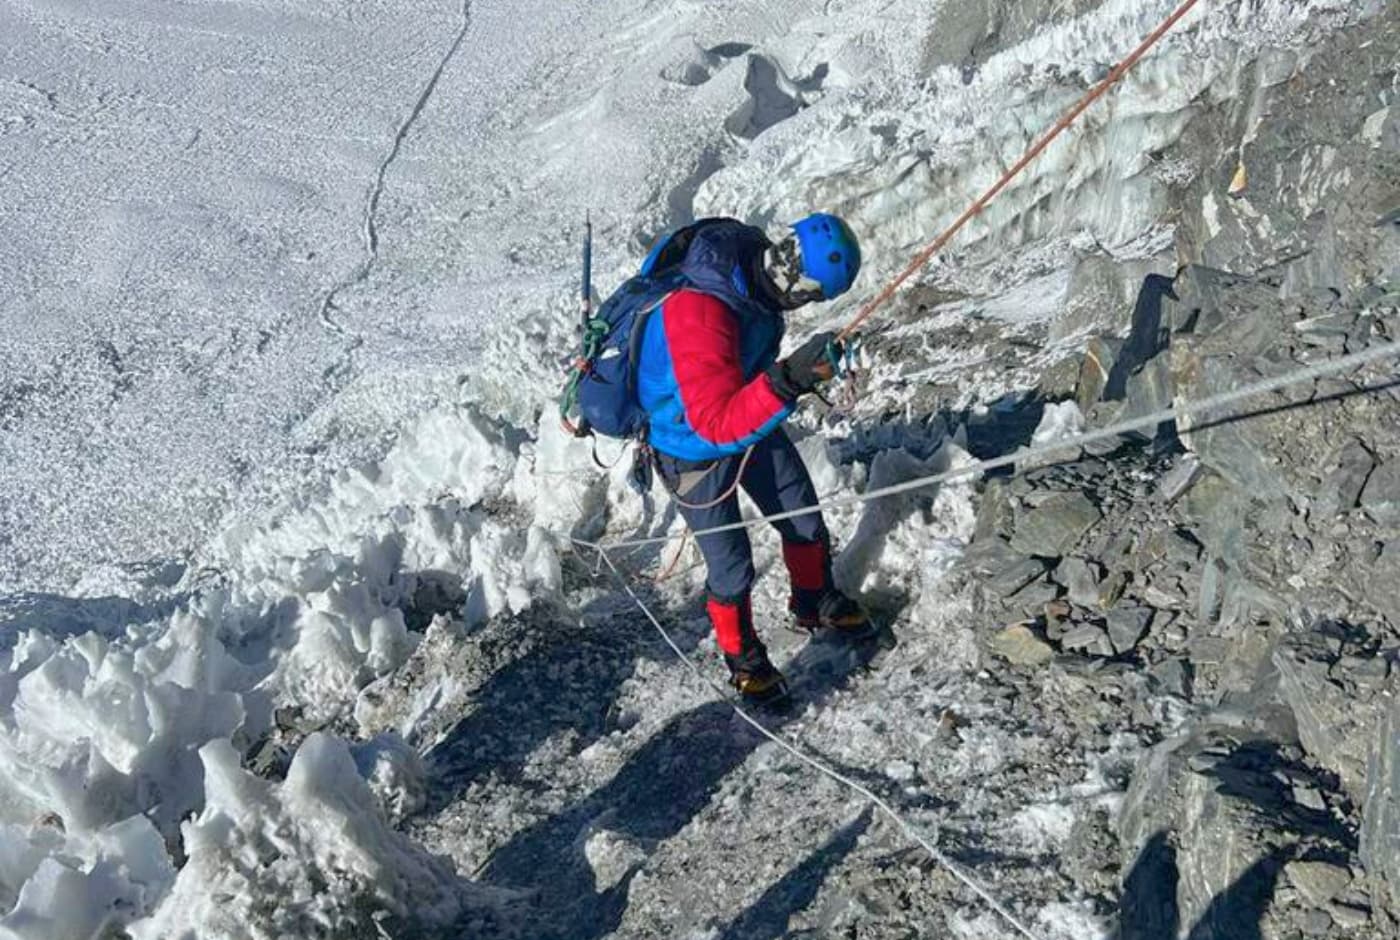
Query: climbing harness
{"points": [[681, 488], [729, 491]]}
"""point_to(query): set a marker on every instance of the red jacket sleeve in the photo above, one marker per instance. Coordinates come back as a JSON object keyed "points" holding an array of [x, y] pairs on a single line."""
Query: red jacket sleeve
{"points": [[703, 337]]}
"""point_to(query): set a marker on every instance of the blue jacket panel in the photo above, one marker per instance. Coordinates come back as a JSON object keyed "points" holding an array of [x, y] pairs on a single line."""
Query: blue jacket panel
{"points": [[716, 264]]}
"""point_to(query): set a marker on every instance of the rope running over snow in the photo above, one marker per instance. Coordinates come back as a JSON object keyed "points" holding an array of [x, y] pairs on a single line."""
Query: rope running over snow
{"points": [[922, 258], [904, 825]]}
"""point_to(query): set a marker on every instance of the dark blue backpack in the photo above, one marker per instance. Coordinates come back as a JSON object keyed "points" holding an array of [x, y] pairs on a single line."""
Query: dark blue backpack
{"points": [[601, 395]]}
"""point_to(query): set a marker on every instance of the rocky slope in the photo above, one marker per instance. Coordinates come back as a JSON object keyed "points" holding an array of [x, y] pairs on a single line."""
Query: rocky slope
{"points": [[1146, 690], [1155, 695], [1228, 589]]}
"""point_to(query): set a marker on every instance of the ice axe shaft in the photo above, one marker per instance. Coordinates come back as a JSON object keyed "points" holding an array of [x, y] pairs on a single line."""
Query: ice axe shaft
{"points": [[587, 306]]}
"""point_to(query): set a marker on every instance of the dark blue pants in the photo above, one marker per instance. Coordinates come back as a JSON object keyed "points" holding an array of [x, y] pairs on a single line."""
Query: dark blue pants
{"points": [[774, 478]]}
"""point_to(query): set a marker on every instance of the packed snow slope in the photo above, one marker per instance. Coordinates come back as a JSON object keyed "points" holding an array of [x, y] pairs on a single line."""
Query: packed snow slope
{"points": [[244, 242], [292, 639]]}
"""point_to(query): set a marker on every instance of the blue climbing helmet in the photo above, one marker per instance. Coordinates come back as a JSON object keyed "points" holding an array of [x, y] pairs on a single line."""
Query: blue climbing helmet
{"points": [[819, 261]]}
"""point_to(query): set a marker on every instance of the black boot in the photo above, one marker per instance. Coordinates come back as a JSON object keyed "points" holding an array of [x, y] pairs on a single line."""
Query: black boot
{"points": [[750, 672], [755, 678], [833, 611], [815, 602]]}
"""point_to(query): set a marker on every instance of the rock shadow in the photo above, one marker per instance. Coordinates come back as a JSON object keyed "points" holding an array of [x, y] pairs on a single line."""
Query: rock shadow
{"points": [[1008, 424], [1237, 913], [1258, 771], [1147, 337]]}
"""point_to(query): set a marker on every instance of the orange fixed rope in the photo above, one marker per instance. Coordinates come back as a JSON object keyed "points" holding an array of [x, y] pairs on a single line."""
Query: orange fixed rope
{"points": [[976, 208]]}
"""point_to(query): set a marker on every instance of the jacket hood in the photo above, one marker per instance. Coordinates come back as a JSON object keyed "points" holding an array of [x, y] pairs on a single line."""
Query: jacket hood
{"points": [[721, 261]]}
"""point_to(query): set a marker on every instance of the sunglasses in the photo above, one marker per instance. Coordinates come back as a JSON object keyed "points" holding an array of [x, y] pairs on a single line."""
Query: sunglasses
{"points": [[784, 269]]}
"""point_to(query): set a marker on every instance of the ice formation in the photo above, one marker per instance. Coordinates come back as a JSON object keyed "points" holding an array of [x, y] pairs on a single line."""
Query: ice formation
{"points": [[118, 738], [127, 799]]}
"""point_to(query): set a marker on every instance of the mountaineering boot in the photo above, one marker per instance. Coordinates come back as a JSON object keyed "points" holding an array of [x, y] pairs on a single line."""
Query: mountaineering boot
{"points": [[755, 678], [750, 672], [838, 613], [815, 602]]}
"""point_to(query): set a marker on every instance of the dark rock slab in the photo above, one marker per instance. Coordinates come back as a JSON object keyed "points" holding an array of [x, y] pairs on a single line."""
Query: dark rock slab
{"points": [[1216, 511], [1379, 582], [1233, 449], [1089, 638], [1218, 803], [1381, 497], [1335, 718], [1052, 528], [1094, 370], [1127, 625], [1179, 478], [1015, 577], [1172, 677], [1032, 598], [1317, 881], [1080, 579], [1341, 489], [1380, 814], [1020, 645]]}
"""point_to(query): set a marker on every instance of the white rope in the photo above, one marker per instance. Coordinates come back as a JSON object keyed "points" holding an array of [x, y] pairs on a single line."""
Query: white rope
{"points": [[1182, 410], [1177, 412], [906, 827]]}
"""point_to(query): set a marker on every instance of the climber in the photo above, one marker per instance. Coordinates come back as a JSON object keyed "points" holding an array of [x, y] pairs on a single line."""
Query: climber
{"points": [[715, 397]]}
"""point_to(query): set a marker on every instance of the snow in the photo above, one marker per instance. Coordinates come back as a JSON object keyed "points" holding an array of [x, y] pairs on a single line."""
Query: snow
{"points": [[1063, 921], [316, 845], [71, 887], [305, 613], [291, 284], [1061, 420], [611, 855], [1044, 827]]}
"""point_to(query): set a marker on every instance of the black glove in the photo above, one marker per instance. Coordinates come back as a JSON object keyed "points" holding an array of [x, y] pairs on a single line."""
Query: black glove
{"points": [[808, 366]]}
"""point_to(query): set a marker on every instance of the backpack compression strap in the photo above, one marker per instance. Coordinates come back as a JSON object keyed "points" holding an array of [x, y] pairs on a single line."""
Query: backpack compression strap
{"points": [[594, 337]]}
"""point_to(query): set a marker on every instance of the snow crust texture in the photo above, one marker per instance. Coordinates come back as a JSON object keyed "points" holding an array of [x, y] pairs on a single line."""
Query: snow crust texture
{"points": [[292, 639]]}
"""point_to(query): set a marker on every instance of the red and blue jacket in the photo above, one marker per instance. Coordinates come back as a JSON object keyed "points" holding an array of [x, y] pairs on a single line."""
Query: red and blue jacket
{"points": [[700, 371]]}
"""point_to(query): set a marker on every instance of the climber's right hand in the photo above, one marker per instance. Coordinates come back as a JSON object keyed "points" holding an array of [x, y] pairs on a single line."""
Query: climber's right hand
{"points": [[811, 364]]}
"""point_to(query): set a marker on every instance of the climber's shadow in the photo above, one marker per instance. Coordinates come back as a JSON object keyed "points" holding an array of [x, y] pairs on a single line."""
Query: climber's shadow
{"points": [[1149, 908], [767, 918], [568, 682], [666, 784], [1255, 772]]}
